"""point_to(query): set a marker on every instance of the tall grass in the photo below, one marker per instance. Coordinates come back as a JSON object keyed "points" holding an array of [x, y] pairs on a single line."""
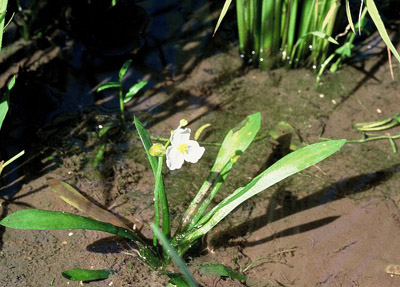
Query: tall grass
{"points": [[291, 32], [298, 32]]}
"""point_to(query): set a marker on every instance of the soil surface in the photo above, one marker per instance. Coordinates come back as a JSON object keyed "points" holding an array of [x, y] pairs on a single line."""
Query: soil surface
{"points": [[335, 224]]}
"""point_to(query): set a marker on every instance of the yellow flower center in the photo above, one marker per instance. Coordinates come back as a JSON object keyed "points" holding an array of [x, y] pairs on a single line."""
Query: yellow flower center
{"points": [[183, 148]]}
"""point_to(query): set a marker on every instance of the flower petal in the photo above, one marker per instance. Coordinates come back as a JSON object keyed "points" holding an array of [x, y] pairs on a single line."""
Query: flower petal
{"points": [[194, 152], [174, 158], [180, 136]]}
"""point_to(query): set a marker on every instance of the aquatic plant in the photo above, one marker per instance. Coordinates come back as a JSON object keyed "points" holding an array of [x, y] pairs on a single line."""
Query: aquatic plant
{"points": [[297, 33], [198, 219], [124, 98]]}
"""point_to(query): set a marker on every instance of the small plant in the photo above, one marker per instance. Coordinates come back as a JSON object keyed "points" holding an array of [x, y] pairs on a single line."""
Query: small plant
{"points": [[198, 219], [124, 98]]}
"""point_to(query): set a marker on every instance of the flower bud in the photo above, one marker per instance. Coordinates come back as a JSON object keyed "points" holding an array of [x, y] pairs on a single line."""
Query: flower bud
{"points": [[157, 150], [183, 123]]}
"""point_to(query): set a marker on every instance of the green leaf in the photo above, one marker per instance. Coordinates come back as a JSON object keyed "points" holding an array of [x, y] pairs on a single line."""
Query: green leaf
{"points": [[223, 271], [86, 274], [11, 83], [4, 104], [222, 15], [373, 12], [285, 167], [324, 36], [147, 143], [108, 85], [37, 219], [134, 90], [177, 280], [124, 69], [349, 18], [235, 143]]}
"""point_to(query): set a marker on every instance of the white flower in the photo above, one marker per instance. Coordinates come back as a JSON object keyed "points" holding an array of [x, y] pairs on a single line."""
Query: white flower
{"points": [[182, 149]]}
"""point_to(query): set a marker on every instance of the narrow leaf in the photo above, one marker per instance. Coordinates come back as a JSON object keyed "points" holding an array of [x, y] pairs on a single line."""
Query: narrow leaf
{"points": [[85, 274], [147, 143], [11, 83], [4, 104], [73, 197], [222, 15], [349, 18], [134, 90], [108, 85], [324, 36], [124, 69], [373, 12], [223, 271], [37, 219]]}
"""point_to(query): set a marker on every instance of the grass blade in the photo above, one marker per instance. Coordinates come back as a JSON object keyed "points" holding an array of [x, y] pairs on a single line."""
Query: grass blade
{"points": [[373, 12], [85, 275], [222, 15], [349, 18]]}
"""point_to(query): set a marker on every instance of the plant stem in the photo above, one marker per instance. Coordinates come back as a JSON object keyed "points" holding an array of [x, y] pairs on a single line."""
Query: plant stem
{"points": [[156, 197], [121, 105]]}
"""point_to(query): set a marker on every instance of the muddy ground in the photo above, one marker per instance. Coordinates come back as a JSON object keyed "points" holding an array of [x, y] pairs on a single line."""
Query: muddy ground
{"points": [[335, 224]]}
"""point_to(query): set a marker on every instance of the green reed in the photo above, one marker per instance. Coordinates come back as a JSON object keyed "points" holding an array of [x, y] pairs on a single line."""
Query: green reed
{"points": [[286, 32]]}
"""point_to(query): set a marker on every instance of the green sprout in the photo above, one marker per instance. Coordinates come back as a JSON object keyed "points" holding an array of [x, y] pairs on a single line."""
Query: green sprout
{"points": [[124, 98]]}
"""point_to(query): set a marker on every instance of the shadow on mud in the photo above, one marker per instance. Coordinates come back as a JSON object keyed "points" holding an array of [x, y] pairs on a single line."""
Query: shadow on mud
{"points": [[283, 204]]}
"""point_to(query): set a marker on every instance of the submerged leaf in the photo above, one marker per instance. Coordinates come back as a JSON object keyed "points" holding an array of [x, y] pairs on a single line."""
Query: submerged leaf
{"points": [[223, 271], [86, 274]]}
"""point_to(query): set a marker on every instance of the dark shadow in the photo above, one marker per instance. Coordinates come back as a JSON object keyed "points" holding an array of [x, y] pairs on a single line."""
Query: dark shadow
{"points": [[293, 230], [282, 206], [112, 244], [371, 73]]}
